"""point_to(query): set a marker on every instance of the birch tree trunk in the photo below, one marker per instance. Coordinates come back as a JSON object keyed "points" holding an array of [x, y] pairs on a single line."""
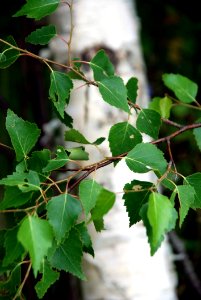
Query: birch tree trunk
{"points": [[122, 268]]}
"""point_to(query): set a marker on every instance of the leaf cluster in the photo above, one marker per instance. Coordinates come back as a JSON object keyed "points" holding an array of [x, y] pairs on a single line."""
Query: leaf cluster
{"points": [[50, 227]]}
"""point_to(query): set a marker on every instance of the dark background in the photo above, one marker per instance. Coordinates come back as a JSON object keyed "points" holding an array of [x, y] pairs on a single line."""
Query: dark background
{"points": [[170, 36]]}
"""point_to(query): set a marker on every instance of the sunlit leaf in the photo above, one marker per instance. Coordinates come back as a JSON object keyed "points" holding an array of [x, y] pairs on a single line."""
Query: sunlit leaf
{"points": [[36, 237], [184, 89]]}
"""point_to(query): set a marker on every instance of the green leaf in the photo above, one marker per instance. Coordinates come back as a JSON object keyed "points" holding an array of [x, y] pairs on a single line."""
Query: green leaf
{"points": [[89, 191], [78, 153], [14, 179], [58, 162], [95, 198], [136, 194], [67, 211], [38, 9], [129, 138], [162, 217], [8, 55], [155, 104], [197, 134], [162, 106], [14, 197], [104, 203], [9, 287], [36, 237], [26, 182], [165, 107], [42, 36], [114, 92], [59, 91], [66, 120], [74, 135], [68, 255], [13, 248], [32, 182], [101, 66], [99, 224], [132, 87], [186, 194], [85, 238], [144, 157], [23, 134], [184, 89], [49, 277], [39, 160], [149, 122], [195, 181]]}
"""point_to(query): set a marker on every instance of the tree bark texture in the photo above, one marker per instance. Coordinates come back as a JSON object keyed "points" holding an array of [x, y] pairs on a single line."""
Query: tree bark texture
{"points": [[122, 268]]}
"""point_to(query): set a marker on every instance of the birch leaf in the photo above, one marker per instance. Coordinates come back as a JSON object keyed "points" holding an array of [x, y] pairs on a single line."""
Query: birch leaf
{"points": [[132, 87], [49, 277], [68, 255], [195, 181], [37, 9], [136, 194], [36, 237], [23, 134], [162, 217], [114, 92], [101, 66], [184, 89], [186, 194], [60, 87], [149, 122], [67, 211], [41, 36], [145, 157], [123, 137]]}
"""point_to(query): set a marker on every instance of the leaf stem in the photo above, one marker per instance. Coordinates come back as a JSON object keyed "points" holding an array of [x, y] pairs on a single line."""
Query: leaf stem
{"points": [[5, 146], [19, 291]]}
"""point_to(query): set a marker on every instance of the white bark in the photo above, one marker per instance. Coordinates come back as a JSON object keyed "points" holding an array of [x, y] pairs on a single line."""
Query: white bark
{"points": [[122, 268]]}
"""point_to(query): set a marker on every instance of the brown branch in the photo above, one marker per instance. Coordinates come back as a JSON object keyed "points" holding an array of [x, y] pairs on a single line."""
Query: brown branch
{"points": [[178, 132], [169, 122], [109, 160]]}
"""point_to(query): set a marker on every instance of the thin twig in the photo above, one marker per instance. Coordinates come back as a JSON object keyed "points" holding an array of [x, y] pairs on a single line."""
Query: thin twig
{"points": [[5, 146], [178, 132], [19, 291], [71, 33], [169, 122]]}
